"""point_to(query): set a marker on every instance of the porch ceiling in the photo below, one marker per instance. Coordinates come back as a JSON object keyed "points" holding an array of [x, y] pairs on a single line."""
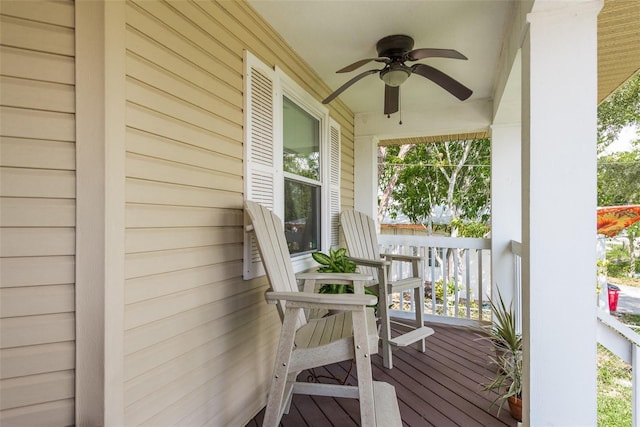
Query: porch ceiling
{"points": [[331, 34]]}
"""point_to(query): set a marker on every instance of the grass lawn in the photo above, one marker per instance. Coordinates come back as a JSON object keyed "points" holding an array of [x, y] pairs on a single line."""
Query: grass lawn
{"points": [[614, 390], [628, 281]]}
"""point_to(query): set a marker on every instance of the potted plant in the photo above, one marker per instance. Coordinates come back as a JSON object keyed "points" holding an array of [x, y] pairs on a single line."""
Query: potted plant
{"points": [[502, 331], [337, 261], [508, 383], [508, 345]]}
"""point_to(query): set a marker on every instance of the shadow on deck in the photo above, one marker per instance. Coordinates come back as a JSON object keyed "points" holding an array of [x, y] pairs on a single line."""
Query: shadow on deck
{"points": [[436, 388]]}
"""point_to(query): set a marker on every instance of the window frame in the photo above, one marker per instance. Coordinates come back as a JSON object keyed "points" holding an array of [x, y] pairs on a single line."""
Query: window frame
{"points": [[296, 94]]}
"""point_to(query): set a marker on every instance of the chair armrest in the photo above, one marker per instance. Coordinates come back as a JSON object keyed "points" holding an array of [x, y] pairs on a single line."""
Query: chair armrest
{"points": [[370, 262], [312, 280], [347, 277], [400, 257], [335, 301]]}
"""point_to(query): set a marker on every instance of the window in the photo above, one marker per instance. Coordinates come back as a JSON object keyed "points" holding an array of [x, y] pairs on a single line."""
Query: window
{"points": [[302, 178], [292, 163]]}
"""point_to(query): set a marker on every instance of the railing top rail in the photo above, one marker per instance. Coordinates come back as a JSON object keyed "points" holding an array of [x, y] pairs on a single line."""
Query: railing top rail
{"points": [[516, 248], [629, 334], [435, 241]]}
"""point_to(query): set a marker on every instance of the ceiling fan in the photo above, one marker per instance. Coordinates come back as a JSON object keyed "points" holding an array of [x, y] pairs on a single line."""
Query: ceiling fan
{"points": [[394, 51]]}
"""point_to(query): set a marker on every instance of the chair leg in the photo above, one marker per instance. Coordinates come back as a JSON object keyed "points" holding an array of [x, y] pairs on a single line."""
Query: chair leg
{"points": [[418, 297], [277, 399], [363, 366], [385, 323]]}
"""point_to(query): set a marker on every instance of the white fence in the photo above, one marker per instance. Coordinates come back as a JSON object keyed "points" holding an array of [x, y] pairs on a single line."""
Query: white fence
{"points": [[456, 272]]}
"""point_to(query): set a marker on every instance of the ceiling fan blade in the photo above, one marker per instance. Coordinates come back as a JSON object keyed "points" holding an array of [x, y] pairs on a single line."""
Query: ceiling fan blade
{"points": [[347, 84], [359, 64], [391, 99], [451, 85], [416, 54]]}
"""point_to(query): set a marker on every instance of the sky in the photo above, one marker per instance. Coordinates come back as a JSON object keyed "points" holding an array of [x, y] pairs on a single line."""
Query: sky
{"points": [[623, 143]]}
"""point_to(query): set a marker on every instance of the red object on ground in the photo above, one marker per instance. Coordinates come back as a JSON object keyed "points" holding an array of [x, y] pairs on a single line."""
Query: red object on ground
{"points": [[613, 298], [613, 219]]}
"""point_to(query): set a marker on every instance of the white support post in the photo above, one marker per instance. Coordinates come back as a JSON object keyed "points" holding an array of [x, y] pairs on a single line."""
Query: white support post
{"points": [[366, 175], [505, 206], [559, 81]]}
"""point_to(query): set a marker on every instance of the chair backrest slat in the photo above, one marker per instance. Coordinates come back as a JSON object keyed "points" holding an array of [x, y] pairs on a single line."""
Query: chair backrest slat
{"points": [[272, 245], [361, 238]]}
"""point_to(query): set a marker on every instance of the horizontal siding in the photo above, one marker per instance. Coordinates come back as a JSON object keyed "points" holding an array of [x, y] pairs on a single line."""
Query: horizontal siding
{"points": [[37, 213], [41, 329], [162, 193], [34, 300], [59, 412], [36, 359], [175, 328], [33, 389], [199, 340], [37, 154], [33, 271]]}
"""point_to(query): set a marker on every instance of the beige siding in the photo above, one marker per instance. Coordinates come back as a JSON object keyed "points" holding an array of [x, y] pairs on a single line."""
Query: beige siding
{"points": [[198, 339], [37, 213]]}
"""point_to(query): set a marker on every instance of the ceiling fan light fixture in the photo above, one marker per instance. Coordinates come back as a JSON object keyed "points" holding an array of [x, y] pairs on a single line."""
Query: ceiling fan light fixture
{"points": [[394, 77]]}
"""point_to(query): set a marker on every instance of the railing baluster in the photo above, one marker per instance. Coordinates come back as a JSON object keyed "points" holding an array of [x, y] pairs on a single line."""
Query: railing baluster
{"points": [[467, 257], [635, 381], [435, 249]]}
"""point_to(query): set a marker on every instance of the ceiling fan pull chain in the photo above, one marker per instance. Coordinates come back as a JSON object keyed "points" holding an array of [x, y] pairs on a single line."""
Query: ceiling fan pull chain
{"points": [[400, 103]]}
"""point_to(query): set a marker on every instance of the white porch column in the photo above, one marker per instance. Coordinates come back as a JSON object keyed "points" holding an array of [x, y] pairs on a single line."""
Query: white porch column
{"points": [[366, 175], [505, 205], [559, 74]]}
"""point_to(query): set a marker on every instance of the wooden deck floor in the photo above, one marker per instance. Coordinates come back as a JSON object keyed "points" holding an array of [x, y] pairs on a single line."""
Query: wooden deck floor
{"points": [[436, 388]]}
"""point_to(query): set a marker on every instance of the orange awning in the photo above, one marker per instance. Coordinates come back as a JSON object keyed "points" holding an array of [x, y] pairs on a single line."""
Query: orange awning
{"points": [[613, 219]]}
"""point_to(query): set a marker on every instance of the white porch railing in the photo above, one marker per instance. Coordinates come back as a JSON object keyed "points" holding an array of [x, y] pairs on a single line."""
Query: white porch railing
{"points": [[516, 250], [456, 274], [624, 342]]}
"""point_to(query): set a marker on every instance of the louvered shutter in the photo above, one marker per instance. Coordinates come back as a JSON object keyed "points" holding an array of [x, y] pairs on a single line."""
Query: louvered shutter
{"points": [[334, 183], [262, 175]]}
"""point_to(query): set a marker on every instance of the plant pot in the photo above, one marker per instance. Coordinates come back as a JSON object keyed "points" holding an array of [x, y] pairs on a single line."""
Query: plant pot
{"points": [[515, 406]]}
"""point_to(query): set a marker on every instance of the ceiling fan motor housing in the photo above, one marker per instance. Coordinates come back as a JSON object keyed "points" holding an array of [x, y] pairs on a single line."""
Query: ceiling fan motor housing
{"points": [[394, 46]]}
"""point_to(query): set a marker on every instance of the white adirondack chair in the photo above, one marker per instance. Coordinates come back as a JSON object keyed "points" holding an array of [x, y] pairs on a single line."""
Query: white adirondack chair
{"points": [[305, 344], [362, 244]]}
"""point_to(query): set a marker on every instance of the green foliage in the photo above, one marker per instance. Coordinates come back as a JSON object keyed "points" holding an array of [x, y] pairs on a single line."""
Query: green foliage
{"points": [[618, 261], [619, 178], [621, 109], [336, 262], [470, 228], [455, 174], [439, 289], [508, 380], [503, 326]]}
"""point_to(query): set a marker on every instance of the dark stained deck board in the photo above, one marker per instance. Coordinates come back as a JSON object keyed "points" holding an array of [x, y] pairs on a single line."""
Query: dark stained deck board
{"points": [[439, 388]]}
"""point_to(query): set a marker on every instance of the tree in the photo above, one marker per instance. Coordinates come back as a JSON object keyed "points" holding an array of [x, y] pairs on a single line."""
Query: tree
{"points": [[451, 174], [621, 109], [619, 173], [619, 184], [619, 179]]}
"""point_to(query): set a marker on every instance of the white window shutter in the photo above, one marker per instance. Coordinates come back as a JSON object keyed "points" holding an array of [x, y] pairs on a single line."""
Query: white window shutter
{"points": [[260, 152], [334, 183]]}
